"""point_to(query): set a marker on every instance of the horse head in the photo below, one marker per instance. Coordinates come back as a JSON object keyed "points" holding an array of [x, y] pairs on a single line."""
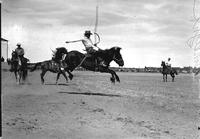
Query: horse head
{"points": [[163, 64], [59, 53], [61, 50], [14, 55], [116, 56]]}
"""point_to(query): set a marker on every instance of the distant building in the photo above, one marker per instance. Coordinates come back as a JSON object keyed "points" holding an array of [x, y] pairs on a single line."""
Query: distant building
{"points": [[4, 48]]}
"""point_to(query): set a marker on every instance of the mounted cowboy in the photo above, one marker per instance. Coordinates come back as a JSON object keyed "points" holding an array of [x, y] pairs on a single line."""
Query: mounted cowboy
{"points": [[20, 52], [87, 42], [168, 63], [89, 47]]}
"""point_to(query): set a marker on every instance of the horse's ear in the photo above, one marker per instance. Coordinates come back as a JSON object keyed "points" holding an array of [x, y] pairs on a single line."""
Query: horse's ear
{"points": [[117, 48]]}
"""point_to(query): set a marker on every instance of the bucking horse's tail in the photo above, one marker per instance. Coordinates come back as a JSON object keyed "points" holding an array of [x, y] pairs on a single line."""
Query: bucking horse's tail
{"points": [[35, 66]]}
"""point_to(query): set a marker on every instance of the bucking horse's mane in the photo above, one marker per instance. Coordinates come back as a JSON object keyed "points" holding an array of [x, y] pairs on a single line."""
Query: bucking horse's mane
{"points": [[57, 54]]}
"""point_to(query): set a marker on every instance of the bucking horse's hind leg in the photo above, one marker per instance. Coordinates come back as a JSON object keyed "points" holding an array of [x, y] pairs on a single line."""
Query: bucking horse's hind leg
{"points": [[42, 75], [70, 74], [63, 73], [58, 76]]}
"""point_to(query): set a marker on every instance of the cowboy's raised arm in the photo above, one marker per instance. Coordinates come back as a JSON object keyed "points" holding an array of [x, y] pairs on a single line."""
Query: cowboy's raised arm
{"points": [[73, 41]]}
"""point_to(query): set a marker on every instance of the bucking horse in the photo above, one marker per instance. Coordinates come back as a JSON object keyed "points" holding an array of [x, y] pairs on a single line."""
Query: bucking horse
{"points": [[53, 65], [75, 59]]}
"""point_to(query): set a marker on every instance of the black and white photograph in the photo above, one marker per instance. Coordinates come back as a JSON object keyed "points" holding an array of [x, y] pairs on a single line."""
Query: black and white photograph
{"points": [[100, 69]]}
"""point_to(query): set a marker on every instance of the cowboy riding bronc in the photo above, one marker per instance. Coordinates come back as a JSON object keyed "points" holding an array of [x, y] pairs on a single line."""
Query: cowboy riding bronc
{"points": [[87, 42], [89, 47]]}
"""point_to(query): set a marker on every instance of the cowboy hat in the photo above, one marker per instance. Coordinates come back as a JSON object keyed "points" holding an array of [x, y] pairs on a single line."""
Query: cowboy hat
{"points": [[87, 32], [18, 44]]}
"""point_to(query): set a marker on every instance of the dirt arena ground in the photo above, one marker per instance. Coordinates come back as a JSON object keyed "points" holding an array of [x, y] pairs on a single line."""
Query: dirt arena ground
{"points": [[90, 107]]}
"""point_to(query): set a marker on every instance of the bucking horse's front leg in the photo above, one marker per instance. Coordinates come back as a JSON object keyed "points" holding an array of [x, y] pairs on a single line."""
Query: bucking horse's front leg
{"points": [[114, 76]]}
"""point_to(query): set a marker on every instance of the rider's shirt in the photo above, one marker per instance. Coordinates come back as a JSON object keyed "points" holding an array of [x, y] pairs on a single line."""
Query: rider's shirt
{"points": [[168, 63], [87, 42], [20, 51]]}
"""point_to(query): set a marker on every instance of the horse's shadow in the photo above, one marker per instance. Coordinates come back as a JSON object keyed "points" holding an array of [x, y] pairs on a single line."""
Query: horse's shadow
{"points": [[25, 83], [61, 84], [90, 94]]}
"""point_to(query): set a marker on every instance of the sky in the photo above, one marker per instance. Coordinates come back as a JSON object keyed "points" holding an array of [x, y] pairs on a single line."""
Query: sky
{"points": [[148, 31]]}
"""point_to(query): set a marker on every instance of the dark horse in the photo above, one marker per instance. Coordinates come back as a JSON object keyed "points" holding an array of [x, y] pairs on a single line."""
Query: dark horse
{"points": [[75, 59], [19, 68], [167, 70], [53, 65]]}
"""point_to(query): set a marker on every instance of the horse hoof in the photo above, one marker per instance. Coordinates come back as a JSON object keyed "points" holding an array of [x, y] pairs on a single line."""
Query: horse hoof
{"points": [[71, 77], [112, 80]]}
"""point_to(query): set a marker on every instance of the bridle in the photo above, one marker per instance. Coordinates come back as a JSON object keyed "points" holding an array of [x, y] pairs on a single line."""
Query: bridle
{"points": [[115, 59], [163, 64]]}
